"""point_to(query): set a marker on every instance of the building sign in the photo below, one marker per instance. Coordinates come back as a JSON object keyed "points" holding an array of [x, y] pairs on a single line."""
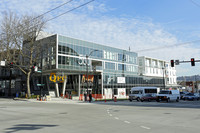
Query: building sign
{"points": [[83, 61], [2, 63], [52, 93], [90, 78], [121, 92], [55, 78], [121, 80]]}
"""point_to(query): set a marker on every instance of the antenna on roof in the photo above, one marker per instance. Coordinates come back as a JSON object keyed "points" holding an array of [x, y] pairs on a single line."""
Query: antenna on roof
{"points": [[129, 48]]}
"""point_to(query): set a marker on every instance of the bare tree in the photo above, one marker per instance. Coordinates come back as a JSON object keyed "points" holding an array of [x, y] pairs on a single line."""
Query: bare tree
{"points": [[19, 34]]}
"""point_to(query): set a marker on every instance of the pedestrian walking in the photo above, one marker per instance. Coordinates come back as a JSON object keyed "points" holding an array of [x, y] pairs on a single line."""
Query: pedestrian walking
{"points": [[85, 96], [90, 97]]}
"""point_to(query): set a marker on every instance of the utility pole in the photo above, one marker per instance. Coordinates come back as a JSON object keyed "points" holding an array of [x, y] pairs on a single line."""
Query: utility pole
{"points": [[10, 79], [163, 77]]}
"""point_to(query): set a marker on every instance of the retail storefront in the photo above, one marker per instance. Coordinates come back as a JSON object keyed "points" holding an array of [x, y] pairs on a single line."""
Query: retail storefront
{"points": [[80, 67]]}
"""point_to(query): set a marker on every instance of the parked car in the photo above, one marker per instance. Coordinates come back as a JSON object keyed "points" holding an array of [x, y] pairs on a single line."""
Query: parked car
{"points": [[183, 93], [190, 96], [148, 97], [168, 95], [137, 92]]}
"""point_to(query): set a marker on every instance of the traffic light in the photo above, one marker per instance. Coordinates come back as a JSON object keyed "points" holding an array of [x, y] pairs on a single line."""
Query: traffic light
{"points": [[34, 68], [11, 65], [172, 63], [192, 62]]}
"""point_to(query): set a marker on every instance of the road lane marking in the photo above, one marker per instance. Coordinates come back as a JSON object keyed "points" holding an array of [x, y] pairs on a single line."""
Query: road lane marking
{"points": [[127, 122], [116, 118], [145, 127]]}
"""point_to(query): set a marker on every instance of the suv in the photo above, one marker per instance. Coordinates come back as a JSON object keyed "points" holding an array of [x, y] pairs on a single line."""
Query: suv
{"points": [[167, 95]]}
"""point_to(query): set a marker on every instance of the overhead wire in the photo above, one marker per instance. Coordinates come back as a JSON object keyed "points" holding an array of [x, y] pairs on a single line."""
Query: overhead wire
{"points": [[53, 9], [70, 10], [195, 3], [167, 46], [57, 15]]}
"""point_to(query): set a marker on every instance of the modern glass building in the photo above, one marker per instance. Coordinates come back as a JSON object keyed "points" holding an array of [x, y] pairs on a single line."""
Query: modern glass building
{"points": [[73, 67]]}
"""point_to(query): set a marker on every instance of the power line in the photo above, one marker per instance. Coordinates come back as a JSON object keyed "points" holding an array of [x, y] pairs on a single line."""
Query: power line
{"points": [[47, 12], [65, 12], [70, 10], [52, 9], [195, 3], [57, 15], [167, 46]]}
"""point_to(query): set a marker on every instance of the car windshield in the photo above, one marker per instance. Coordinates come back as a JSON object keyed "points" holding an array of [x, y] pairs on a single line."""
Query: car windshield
{"points": [[147, 95], [164, 92], [190, 94], [136, 92]]}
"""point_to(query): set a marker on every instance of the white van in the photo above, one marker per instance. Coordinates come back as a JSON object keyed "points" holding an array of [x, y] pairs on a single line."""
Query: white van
{"points": [[137, 92], [168, 95]]}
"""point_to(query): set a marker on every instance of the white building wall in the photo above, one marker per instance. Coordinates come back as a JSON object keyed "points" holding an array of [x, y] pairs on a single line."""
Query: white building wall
{"points": [[155, 67]]}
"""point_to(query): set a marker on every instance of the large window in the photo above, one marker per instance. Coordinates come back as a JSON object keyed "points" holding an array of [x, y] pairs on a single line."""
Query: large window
{"points": [[120, 57], [110, 66], [69, 49], [122, 67]]}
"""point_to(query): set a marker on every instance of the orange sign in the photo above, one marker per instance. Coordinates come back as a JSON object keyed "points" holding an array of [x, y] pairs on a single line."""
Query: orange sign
{"points": [[90, 78]]}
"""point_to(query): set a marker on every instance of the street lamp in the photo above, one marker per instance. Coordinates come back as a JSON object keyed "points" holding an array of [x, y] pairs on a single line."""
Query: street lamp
{"points": [[87, 56], [163, 77]]}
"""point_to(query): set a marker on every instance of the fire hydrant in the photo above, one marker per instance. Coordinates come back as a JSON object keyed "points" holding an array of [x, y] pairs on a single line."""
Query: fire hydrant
{"points": [[115, 99]]}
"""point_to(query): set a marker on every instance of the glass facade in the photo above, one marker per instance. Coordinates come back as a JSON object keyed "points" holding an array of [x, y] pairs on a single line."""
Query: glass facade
{"points": [[104, 65], [72, 55]]}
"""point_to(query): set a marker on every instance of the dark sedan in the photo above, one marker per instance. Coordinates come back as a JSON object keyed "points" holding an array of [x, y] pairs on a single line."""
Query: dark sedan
{"points": [[190, 96], [147, 97]]}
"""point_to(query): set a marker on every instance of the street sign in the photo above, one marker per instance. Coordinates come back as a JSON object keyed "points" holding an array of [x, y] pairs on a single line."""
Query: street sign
{"points": [[2, 63], [40, 84], [177, 62]]}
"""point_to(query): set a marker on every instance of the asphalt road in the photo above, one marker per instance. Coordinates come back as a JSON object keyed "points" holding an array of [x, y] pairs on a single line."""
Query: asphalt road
{"points": [[99, 117]]}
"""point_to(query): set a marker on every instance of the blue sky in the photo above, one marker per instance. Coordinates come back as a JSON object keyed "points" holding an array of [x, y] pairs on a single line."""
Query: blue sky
{"points": [[140, 24]]}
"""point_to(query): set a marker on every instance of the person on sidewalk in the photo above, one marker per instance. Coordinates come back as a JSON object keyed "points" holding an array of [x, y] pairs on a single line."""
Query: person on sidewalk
{"points": [[90, 97], [85, 96]]}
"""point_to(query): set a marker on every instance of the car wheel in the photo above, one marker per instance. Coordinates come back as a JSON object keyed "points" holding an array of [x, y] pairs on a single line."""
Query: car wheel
{"points": [[141, 100], [177, 100], [197, 99], [131, 99], [158, 100], [168, 99], [138, 99], [149, 100]]}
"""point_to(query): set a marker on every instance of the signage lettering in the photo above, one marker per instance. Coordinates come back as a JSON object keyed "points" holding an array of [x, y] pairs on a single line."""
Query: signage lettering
{"points": [[55, 78]]}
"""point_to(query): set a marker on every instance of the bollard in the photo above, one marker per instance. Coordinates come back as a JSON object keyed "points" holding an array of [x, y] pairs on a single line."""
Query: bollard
{"points": [[37, 97], [115, 99]]}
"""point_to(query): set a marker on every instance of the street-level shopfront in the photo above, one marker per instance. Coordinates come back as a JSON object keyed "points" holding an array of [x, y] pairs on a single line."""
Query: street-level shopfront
{"points": [[67, 63]]}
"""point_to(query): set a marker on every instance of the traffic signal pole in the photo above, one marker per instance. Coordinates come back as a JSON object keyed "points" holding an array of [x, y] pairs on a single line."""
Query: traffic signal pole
{"points": [[177, 62]]}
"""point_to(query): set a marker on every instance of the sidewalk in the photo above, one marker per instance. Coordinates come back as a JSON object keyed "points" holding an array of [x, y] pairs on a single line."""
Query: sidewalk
{"points": [[53, 100]]}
